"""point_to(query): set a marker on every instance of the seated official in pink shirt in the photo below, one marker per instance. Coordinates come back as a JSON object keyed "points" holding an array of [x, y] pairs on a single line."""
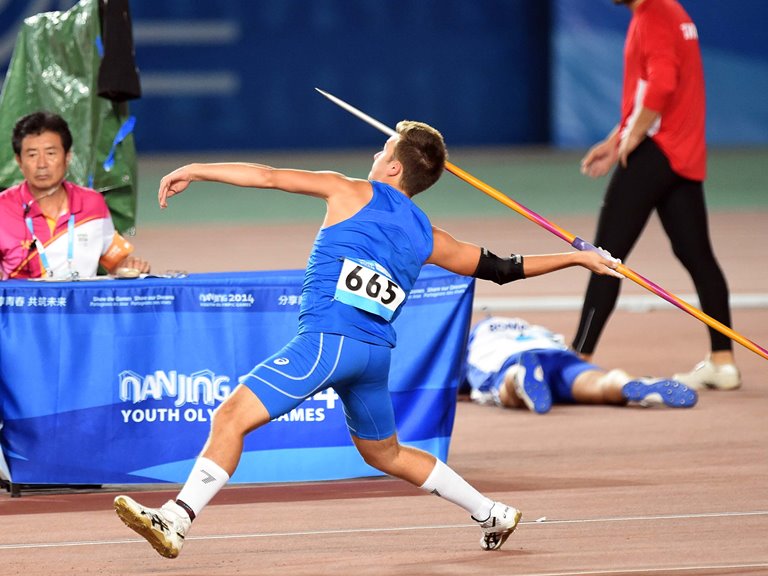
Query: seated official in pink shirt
{"points": [[50, 227]]}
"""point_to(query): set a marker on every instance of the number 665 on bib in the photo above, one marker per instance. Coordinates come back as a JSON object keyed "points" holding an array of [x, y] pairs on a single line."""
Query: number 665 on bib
{"points": [[362, 286]]}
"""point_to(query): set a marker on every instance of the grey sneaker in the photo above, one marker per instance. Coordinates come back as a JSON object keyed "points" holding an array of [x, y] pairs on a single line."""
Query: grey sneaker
{"points": [[708, 375], [499, 525], [164, 528]]}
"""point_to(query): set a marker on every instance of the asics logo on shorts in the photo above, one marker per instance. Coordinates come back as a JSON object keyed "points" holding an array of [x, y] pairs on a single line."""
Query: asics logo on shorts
{"points": [[281, 361]]}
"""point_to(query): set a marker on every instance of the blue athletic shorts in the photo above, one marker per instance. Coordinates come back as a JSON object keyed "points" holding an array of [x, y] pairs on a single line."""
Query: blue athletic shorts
{"points": [[561, 368], [309, 363]]}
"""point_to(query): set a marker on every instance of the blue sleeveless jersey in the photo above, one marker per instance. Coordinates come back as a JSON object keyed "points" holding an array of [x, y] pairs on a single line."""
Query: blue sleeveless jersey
{"points": [[361, 270]]}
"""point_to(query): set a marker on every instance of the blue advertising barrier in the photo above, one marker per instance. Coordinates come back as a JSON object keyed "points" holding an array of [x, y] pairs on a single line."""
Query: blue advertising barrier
{"points": [[114, 381]]}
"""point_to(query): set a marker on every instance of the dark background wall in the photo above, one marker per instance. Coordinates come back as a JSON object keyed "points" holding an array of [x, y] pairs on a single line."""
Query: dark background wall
{"points": [[240, 74], [466, 65]]}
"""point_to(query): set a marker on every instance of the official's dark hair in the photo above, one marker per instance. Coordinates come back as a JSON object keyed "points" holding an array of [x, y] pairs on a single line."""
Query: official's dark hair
{"points": [[421, 151], [37, 123]]}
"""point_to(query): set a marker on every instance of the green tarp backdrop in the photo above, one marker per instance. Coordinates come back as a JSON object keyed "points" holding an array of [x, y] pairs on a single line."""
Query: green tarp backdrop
{"points": [[56, 67]]}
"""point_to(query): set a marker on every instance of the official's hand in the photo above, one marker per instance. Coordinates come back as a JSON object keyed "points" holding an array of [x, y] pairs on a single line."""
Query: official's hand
{"points": [[626, 147], [134, 263], [599, 160]]}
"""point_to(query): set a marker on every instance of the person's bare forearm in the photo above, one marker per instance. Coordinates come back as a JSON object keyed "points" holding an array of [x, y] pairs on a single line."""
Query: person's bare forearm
{"points": [[536, 265], [642, 123], [235, 173], [539, 264], [636, 133]]}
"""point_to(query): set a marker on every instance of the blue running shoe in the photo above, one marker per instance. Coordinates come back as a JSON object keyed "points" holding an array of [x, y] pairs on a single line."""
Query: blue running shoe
{"points": [[649, 392], [530, 386]]}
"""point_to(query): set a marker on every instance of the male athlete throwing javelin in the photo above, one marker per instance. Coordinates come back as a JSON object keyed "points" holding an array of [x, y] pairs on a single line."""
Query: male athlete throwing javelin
{"points": [[373, 234]]}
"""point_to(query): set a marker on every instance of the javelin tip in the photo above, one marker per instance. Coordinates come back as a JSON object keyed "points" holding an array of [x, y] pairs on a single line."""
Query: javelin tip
{"points": [[359, 113]]}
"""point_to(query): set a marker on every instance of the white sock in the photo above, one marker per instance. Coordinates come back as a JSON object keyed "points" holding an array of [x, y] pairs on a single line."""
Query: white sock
{"points": [[444, 482], [204, 482]]}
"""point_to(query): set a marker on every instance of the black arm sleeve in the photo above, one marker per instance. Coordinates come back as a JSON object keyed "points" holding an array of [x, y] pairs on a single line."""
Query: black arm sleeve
{"points": [[499, 270]]}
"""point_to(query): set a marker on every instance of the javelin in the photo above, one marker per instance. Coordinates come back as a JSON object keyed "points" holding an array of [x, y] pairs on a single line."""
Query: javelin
{"points": [[574, 241]]}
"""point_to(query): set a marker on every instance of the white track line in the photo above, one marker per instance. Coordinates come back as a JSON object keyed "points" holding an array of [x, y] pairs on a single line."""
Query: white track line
{"points": [[631, 303], [659, 517], [397, 529], [665, 570]]}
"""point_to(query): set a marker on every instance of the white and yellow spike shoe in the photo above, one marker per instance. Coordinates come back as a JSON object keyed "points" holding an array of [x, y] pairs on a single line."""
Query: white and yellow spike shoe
{"points": [[164, 528], [499, 526]]}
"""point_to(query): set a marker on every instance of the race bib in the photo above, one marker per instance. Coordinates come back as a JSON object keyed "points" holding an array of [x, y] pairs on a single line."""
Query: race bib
{"points": [[362, 286]]}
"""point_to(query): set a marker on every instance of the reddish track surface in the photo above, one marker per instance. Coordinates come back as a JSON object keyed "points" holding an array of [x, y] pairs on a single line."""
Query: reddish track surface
{"points": [[622, 490]]}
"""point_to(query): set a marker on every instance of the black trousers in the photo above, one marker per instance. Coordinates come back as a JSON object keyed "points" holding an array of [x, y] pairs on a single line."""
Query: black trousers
{"points": [[648, 183]]}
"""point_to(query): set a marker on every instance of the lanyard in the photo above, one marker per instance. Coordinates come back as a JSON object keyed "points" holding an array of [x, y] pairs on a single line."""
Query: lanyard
{"points": [[70, 246]]}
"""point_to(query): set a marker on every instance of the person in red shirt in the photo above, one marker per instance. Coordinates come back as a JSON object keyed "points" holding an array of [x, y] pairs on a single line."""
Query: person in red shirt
{"points": [[660, 148]]}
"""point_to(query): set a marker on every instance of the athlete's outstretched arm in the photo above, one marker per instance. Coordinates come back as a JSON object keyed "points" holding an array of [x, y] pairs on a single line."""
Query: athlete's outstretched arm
{"points": [[318, 184], [471, 260]]}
